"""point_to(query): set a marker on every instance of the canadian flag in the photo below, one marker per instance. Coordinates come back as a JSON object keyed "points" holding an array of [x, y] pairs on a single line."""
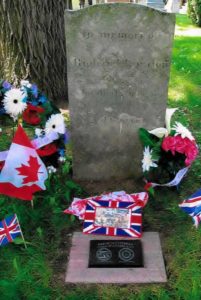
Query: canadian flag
{"points": [[23, 173]]}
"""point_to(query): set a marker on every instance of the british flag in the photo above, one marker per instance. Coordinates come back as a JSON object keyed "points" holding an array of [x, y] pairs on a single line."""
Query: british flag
{"points": [[9, 229], [132, 211], [192, 206]]}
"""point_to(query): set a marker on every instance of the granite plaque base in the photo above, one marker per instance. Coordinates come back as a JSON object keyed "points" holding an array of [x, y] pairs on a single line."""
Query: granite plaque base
{"points": [[78, 270], [115, 254]]}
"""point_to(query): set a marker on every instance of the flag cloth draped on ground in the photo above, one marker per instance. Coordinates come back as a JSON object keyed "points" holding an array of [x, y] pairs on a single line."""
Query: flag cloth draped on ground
{"points": [[192, 206], [23, 173], [9, 230]]}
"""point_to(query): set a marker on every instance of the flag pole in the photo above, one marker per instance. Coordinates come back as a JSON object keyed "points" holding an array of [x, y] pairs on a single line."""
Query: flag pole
{"points": [[25, 245]]}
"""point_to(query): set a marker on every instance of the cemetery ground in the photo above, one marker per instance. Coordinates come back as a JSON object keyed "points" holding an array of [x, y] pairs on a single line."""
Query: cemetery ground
{"points": [[38, 271]]}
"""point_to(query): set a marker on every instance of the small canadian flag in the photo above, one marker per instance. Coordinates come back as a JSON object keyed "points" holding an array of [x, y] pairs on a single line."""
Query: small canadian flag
{"points": [[23, 173]]}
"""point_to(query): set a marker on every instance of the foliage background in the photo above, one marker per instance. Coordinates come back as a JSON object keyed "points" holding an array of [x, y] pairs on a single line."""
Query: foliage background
{"points": [[194, 11]]}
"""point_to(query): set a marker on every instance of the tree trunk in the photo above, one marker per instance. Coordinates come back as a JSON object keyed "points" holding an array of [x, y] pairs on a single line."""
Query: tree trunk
{"points": [[32, 45]]}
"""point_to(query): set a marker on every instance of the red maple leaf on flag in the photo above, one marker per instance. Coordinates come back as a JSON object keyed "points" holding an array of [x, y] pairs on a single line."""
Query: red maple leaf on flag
{"points": [[30, 171]]}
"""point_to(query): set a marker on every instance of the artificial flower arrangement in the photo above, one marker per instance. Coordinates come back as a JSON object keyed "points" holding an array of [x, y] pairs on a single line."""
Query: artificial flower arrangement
{"points": [[29, 106], [168, 153]]}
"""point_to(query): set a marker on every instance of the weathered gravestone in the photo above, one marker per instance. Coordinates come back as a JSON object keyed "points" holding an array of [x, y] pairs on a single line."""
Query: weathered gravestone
{"points": [[118, 58]]}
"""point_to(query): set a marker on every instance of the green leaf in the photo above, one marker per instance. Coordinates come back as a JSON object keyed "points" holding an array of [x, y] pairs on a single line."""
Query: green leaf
{"points": [[66, 167], [156, 151], [40, 232], [73, 186], [72, 218], [57, 210], [146, 138], [15, 264], [151, 191], [52, 201], [68, 195]]}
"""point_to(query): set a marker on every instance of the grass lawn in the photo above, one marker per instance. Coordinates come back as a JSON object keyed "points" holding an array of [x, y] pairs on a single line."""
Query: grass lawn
{"points": [[183, 22], [38, 271]]}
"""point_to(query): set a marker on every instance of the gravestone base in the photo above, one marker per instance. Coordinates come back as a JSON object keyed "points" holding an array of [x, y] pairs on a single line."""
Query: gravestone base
{"points": [[93, 187], [79, 272]]}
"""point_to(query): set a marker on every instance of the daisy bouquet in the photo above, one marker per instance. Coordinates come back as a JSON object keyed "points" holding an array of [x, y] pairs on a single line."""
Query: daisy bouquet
{"points": [[28, 105], [168, 152]]}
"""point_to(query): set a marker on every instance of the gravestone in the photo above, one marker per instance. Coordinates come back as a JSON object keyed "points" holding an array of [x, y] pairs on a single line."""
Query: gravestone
{"points": [[118, 59]]}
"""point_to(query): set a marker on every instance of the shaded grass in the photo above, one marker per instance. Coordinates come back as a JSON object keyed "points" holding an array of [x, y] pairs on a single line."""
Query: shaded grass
{"points": [[38, 272]]}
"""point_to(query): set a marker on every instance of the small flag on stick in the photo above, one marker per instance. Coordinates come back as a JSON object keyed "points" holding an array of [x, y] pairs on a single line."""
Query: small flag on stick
{"points": [[23, 173], [9, 230], [192, 206]]}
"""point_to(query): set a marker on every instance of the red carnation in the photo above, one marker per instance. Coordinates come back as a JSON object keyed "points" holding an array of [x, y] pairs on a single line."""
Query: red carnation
{"points": [[47, 150], [31, 114], [2, 164]]}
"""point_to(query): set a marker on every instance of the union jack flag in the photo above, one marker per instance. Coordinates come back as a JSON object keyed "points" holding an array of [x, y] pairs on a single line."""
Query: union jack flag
{"points": [[192, 206], [132, 218], [9, 230]]}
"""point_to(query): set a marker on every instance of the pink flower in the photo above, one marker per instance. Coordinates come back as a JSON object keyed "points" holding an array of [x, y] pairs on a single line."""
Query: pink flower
{"points": [[169, 144], [181, 145], [191, 152]]}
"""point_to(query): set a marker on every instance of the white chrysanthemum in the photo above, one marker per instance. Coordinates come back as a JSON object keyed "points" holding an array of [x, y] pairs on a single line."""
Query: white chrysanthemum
{"points": [[147, 161], [13, 102], [38, 132], [62, 159], [55, 123], [0, 130], [51, 169], [183, 131], [25, 83]]}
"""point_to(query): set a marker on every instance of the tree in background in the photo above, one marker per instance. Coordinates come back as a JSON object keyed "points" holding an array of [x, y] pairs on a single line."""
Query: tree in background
{"points": [[32, 45], [194, 11]]}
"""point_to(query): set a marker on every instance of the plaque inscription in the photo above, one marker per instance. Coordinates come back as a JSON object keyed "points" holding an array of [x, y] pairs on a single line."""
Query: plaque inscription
{"points": [[115, 254]]}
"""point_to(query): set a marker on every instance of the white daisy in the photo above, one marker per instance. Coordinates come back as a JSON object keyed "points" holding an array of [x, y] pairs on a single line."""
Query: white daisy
{"points": [[183, 131], [13, 102], [51, 169], [55, 123], [0, 130], [147, 161]]}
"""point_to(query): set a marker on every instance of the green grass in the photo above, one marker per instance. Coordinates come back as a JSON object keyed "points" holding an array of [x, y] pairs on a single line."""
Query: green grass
{"points": [[183, 22], [38, 271]]}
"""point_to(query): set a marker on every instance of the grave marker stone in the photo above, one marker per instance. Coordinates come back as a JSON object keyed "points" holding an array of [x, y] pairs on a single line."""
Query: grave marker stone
{"points": [[118, 59]]}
